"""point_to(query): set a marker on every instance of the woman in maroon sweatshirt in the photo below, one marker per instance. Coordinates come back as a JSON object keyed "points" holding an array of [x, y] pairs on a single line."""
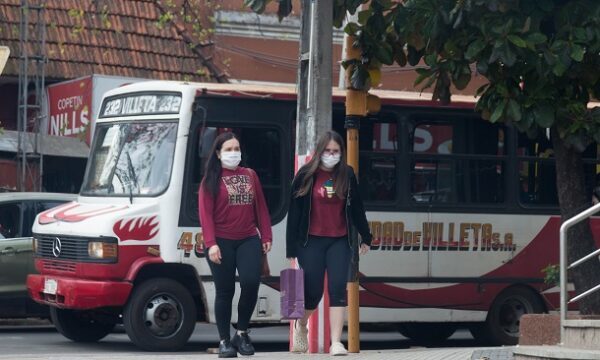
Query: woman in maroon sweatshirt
{"points": [[325, 206], [237, 230]]}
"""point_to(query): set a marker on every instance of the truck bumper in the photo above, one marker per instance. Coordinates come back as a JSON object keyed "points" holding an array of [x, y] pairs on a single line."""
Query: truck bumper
{"points": [[68, 293]]}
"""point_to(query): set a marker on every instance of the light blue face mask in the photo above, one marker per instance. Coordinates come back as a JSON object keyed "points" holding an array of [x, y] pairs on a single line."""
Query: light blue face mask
{"points": [[329, 161], [231, 159]]}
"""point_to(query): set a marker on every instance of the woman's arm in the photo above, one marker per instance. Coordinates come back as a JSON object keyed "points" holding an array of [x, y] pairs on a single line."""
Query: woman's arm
{"points": [[358, 212], [206, 205], [262, 211], [293, 219]]}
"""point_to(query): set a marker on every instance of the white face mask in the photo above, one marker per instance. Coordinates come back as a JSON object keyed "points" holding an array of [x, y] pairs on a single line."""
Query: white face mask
{"points": [[329, 161], [231, 159]]}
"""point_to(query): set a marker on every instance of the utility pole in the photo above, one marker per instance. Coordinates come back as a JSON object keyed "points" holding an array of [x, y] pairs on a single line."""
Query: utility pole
{"points": [[358, 105], [314, 77], [314, 112]]}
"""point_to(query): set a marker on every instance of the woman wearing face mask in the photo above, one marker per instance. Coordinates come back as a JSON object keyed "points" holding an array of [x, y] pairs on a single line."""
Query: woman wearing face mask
{"points": [[237, 229], [325, 204]]}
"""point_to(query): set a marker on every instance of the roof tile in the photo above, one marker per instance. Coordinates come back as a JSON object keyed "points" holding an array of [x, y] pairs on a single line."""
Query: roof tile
{"points": [[133, 44]]}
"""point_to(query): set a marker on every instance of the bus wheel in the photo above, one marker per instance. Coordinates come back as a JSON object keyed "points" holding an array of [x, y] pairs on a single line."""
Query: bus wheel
{"points": [[79, 326], [503, 319], [427, 333], [160, 315]]}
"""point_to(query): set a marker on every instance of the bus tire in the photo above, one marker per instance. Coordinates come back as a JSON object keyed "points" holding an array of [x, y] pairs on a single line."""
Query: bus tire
{"points": [[503, 319], [427, 333], [79, 326], [160, 315]]}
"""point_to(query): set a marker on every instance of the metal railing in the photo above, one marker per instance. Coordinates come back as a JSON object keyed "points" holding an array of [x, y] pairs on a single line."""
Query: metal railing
{"points": [[564, 265]]}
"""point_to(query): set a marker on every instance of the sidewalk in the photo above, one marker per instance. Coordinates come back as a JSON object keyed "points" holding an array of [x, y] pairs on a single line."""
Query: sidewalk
{"points": [[502, 353]]}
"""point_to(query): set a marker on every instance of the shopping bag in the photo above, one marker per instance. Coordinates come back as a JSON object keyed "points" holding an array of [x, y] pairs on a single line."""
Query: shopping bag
{"points": [[291, 287]]}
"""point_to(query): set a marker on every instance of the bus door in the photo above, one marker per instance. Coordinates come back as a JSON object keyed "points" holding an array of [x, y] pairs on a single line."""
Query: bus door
{"points": [[263, 129]]}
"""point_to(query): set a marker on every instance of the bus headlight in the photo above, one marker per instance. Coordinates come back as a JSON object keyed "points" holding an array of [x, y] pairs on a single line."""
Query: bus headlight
{"points": [[102, 250]]}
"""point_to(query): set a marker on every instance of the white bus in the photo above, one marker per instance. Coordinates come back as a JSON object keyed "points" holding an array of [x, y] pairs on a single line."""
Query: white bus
{"points": [[463, 212]]}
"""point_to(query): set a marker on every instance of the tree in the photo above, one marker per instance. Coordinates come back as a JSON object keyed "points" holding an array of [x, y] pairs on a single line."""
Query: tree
{"points": [[540, 58]]}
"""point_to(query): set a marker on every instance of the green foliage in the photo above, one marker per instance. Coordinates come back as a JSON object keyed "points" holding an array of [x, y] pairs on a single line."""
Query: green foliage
{"points": [[541, 58], [552, 274]]}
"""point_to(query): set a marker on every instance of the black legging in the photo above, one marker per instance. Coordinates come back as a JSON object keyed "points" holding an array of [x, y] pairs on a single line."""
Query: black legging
{"points": [[245, 255], [320, 254]]}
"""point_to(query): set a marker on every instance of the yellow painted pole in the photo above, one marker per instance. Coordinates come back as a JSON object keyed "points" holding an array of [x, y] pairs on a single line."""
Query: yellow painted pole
{"points": [[352, 288], [356, 105]]}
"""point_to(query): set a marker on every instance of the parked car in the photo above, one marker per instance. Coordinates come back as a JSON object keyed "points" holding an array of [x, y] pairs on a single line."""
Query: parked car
{"points": [[17, 213]]}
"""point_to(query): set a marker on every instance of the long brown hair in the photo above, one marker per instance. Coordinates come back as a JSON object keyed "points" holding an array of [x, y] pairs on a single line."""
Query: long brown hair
{"points": [[340, 171], [212, 172]]}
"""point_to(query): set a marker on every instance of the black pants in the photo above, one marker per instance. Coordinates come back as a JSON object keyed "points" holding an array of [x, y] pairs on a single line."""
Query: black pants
{"points": [[245, 255], [325, 254]]}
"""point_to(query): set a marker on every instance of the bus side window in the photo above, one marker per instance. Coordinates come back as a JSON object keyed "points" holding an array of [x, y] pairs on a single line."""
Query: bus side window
{"points": [[378, 161], [537, 171], [458, 160], [433, 175]]}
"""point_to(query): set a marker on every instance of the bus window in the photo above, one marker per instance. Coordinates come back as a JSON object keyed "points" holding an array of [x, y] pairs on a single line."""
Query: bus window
{"points": [[458, 162], [378, 161], [537, 171], [432, 181]]}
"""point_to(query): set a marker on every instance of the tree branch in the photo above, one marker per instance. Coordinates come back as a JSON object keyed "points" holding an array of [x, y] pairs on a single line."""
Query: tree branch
{"points": [[206, 61]]}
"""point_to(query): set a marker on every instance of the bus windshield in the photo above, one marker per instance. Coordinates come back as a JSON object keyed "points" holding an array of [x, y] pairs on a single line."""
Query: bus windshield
{"points": [[131, 159]]}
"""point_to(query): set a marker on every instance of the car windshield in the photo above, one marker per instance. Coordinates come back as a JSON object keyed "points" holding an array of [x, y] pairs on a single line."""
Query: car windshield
{"points": [[131, 159]]}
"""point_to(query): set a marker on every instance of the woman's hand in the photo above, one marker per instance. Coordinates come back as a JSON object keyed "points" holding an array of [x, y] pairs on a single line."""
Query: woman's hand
{"points": [[266, 247], [214, 254], [364, 248]]}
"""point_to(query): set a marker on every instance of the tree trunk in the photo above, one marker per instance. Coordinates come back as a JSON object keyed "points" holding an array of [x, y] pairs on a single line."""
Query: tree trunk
{"points": [[573, 198]]}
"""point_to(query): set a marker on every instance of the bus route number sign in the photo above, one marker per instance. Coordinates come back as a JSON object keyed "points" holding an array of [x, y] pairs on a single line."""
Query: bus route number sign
{"points": [[142, 104]]}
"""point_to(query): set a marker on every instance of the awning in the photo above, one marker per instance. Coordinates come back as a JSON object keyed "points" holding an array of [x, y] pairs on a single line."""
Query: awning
{"points": [[47, 145]]}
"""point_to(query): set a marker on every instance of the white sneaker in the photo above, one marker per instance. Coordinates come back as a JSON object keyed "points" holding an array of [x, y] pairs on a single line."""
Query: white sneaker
{"points": [[337, 349], [299, 338]]}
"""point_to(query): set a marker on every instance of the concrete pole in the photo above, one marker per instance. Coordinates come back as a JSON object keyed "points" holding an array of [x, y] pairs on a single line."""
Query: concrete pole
{"points": [[314, 77], [314, 114]]}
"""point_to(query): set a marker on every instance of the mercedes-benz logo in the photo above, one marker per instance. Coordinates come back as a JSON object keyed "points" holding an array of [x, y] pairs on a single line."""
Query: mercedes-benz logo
{"points": [[56, 247]]}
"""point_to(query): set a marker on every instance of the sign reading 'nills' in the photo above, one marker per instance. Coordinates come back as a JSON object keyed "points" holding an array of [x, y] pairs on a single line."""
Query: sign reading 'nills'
{"points": [[70, 106], [439, 236]]}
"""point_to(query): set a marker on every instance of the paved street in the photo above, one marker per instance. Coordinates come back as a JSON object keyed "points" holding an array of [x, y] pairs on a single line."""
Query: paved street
{"points": [[43, 342]]}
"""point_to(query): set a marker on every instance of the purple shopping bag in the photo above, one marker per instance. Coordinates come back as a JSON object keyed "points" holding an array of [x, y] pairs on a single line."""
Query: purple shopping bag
{"points": [[291, 287]]}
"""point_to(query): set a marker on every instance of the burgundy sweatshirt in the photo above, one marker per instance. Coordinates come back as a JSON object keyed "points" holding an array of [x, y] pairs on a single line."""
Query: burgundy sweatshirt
{"points": [[327, 216], [238, 211]]}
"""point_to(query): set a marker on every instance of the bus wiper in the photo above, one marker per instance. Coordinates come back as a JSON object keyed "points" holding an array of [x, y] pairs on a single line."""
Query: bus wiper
{"points": [[132, 177]]}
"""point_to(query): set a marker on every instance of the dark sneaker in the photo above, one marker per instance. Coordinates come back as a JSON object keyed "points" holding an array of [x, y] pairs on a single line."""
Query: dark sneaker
{"points": [[226, 350], [243, 344]]}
